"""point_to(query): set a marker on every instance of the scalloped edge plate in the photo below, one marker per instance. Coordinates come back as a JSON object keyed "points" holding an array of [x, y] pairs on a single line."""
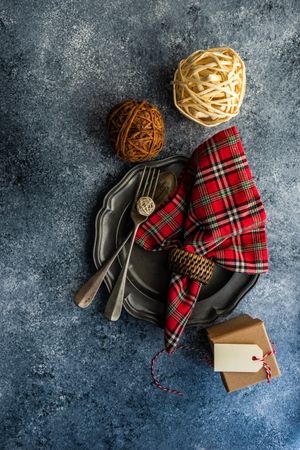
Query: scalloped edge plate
{"points": [[148, 277]]}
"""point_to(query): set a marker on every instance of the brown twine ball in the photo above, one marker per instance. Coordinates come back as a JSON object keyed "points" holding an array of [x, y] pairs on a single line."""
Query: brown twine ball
{"points": [[137, 130]]}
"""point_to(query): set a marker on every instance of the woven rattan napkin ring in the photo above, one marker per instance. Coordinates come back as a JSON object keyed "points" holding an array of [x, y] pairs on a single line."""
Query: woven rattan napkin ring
{"points": [[194, 266]]}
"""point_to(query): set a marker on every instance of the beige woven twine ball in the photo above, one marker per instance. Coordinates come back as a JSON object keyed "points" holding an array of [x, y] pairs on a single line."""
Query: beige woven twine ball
{"points": [[209, 86], [145, 206]]}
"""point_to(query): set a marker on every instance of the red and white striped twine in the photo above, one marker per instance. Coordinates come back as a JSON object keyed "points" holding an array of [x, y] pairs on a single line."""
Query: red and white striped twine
{"points": [[205, 357], [265, 364]]}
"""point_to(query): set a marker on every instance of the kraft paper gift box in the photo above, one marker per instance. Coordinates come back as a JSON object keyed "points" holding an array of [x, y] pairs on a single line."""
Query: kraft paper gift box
{"points": [[244, 330]]}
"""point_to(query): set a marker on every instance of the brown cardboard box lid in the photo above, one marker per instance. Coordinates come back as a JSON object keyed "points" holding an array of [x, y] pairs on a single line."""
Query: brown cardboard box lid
{"points": [[243, 330]]}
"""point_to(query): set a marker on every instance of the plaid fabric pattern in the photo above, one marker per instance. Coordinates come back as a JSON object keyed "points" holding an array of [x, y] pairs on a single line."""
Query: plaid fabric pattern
{"points": [[216, 211]]}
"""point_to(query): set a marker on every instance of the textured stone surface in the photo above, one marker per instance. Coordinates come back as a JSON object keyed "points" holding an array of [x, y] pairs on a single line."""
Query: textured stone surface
{"points": [[68, 378]]}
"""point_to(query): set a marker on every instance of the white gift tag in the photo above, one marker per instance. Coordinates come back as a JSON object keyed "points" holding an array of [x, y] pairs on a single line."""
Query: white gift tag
{"points": [[237, 358]]}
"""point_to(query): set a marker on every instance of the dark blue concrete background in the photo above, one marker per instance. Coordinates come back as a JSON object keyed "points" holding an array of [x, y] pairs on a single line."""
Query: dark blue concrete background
{"points": [[68, 378]]}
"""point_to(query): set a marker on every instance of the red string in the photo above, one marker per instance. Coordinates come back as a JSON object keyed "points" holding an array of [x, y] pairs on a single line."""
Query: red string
{"points": [[156, 382], [208, 360], [265, 364]]}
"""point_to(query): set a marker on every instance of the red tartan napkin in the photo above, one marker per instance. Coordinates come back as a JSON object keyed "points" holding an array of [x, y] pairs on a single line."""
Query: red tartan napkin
{"points": [[216, 211]]}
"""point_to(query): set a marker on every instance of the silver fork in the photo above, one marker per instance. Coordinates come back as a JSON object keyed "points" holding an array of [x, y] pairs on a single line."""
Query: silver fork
{"points": [[146, 188]]}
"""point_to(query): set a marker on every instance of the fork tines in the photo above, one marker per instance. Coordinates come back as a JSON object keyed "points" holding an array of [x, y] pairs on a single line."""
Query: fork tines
{"points": [[148, 182]]}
